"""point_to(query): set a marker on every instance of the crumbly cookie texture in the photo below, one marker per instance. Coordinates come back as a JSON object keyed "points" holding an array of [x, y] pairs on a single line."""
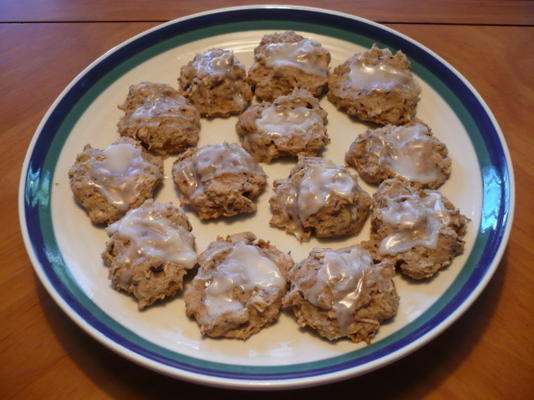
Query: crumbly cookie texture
{"points": [[375, 86], [408, 151], [285, 61], [160, 118], [342, 293], [149, 251], [239, 286], [319, 198], [219, 180], [215, 82], [417, 229], [107, 183], [291, 125]]}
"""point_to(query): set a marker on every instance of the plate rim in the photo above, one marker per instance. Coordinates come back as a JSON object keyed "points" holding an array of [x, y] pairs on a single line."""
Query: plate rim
{"points": [[254, 383]]}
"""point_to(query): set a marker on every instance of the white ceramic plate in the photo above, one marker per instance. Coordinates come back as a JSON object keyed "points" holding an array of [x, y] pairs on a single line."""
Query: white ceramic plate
{"points": [[65, 247]]}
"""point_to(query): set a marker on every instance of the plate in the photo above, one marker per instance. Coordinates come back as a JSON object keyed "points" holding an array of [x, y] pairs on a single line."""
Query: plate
{"points": [[65, 247]]}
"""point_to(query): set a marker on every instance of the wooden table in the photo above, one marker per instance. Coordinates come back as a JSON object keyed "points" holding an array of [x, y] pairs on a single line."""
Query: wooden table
{"points": [[487, 354]]}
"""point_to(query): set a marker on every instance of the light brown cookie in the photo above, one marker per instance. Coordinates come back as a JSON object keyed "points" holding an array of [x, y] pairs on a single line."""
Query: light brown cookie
{"points": [[149, 251], [285, 61], [107, 183], [419, 230], [215, 82], [319, 198], [239, 286], [159, 117], [375, 86], [218, 180], [291, 125], [342, 293], [408, 151]]}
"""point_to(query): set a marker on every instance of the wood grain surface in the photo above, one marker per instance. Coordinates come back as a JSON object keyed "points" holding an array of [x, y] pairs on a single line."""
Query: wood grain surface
{"points": [[509, 12], [487, 354]]}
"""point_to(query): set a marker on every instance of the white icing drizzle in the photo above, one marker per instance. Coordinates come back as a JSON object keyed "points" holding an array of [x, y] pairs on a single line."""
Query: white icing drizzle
{"points": [[299, 55], [245, 268], [214, 62], [411, 156], [216, 160], [151, 235], [161, 106], [380, 76], [408, 153], [115, 175], [418, 221], [318, 184], [339, 283], [279, 121]]}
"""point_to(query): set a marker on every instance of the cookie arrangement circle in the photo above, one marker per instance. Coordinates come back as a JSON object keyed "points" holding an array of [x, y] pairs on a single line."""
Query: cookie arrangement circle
{"points": [[240, 285]]}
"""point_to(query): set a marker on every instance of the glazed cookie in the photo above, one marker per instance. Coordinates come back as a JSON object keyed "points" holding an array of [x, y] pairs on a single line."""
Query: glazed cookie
{"points": [[215, 82], [408, 151], [218, 180], [149, 251], [285, 61], [419, 230], [291, 125], [239, 287], [319, 198], [342, 293], [107, 183], [375, 86], [159, 117]]}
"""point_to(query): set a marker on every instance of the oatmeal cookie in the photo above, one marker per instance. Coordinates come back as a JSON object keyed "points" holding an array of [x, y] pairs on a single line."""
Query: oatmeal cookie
{"points": [[319, 198], [215, 82], [419, 230], [149, 251], [107, 183], [239, 286], [219, 180], [285, 61], [375, 86], [342, 293], [291, 125], [408, 151], [159, 117]]}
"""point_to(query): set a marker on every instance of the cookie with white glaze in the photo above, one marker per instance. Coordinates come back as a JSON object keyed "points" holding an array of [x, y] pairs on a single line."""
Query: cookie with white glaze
{"points": [[215, 83], [319, 198], [219, 180], [239, 286], [407, 151], [342, 293], [160, 118], [419, 230], [375, 86], [291, 125], [149, 251], [285, 61], [107, 183]]}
